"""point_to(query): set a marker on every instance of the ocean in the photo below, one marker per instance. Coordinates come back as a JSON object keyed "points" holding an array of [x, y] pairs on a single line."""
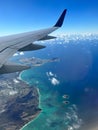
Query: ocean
{"points": [[75, 76]]}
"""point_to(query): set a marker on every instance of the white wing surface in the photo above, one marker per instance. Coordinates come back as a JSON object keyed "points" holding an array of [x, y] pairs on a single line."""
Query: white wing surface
{"points": [[23, 42]]}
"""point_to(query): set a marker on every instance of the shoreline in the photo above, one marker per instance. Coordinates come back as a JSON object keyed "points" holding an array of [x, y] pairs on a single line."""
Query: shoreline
{"points": [[37, 114]]}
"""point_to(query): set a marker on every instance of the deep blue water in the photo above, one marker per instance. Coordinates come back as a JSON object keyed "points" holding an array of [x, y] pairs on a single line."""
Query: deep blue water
{"points": [[76, 75]]}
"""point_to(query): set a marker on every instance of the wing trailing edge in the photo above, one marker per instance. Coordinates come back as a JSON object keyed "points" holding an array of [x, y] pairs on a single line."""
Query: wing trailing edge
{"points": [[32, 47], [47, 38]]}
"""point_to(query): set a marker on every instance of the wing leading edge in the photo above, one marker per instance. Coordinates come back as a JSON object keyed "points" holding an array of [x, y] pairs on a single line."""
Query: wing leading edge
{"points": [[23, 42]]}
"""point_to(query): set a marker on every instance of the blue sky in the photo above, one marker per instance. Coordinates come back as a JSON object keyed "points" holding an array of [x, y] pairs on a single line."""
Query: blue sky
{"points": [[26, 15]]}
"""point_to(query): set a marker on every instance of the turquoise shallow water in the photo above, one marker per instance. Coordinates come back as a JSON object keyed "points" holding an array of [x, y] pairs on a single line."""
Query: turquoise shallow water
{"points": [[75, 75], [55, 114]]}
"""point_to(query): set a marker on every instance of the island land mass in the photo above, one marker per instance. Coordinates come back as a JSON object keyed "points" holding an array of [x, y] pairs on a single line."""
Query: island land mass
{"points": [[19, 102]]}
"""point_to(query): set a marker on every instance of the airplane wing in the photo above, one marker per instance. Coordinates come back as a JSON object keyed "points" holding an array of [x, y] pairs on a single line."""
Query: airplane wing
{"points": [[23, 42]]}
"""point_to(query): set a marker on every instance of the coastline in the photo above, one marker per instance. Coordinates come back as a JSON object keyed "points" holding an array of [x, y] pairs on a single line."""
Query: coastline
{"points": [[19, 102], [36, 115], [39, 106]]}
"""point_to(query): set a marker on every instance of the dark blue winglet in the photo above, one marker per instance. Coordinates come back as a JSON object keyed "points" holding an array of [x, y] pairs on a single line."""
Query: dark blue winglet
{"points": [[61, 19]]}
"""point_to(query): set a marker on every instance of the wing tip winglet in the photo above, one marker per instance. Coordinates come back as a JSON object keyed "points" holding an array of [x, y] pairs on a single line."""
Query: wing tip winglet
{"points": [[61, 19]]}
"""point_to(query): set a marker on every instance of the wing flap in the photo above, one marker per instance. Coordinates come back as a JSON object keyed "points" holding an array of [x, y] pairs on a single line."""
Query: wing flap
{"points": [[31, 47], [12, 67], [47, 38]]}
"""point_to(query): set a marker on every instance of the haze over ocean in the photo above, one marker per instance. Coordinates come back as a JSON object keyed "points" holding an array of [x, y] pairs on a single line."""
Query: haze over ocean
{"points": [[75, 75]]}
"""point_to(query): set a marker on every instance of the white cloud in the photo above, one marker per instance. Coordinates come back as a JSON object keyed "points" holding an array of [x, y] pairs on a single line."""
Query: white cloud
{"points": [[54, 81], [53, 78], [70, 128], [12, 92], [21, 53], [51, 74], [47, 74], [16, 54], [71, 116], [16, 81], [66, 38]]}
